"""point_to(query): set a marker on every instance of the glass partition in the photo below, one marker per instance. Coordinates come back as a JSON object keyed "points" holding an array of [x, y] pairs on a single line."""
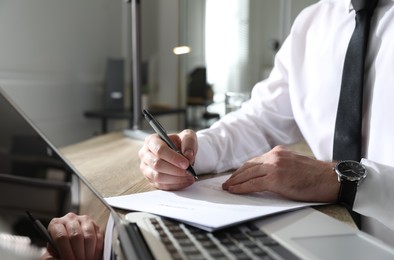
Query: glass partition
{"points": [[235, 41]]}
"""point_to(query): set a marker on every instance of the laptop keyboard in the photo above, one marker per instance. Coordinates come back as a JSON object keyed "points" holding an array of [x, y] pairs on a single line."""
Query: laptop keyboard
{"points": [[240, 242]]}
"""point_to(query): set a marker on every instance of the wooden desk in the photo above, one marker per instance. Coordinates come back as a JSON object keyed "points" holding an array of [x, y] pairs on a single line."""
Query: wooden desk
{"points": [[111, 164]]}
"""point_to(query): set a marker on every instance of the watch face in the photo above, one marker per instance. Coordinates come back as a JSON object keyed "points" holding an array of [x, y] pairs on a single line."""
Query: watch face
{"points": [[351, 170]]}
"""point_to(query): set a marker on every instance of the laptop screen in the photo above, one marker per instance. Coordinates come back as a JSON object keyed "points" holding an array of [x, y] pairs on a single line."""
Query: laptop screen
{"points": [[35, 177]]}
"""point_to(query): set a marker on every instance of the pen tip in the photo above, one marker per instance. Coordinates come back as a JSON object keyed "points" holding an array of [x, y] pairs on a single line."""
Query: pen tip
{"points": [[191, 170]]}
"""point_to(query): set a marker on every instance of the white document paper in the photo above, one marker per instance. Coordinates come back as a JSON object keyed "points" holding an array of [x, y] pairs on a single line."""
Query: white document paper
{"points": [[205, 205]]}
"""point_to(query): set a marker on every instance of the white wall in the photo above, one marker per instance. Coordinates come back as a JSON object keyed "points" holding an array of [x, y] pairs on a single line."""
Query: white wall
{"points": [[52, 60]]}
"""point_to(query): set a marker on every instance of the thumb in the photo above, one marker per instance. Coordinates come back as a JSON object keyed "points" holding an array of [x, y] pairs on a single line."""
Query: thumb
{"points": [[189, 144]]}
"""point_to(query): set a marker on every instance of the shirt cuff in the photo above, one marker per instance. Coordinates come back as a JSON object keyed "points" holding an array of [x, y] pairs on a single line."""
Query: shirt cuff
{"points": [[205, 157], [375, 194]]}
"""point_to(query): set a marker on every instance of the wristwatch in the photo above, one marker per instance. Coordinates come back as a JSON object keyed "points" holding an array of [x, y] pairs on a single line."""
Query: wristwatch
{"points": [[350, 175]]}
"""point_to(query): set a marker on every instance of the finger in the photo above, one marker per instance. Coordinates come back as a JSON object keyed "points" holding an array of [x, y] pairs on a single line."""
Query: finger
{"points": [[162, 166], [173, 186], [89, 234], [189, 144], [75, 234], [244, 174], [161, 150], [59, 235], [247, 165], [165, 181], [249, 186]]}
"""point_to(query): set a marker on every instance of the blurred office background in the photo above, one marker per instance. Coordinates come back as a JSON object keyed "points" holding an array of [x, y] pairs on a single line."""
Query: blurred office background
{"points": [[54, 56]]}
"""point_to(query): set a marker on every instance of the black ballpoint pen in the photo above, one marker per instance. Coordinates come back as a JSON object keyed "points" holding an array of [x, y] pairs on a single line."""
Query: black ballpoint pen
{"points": [[163, 135], [42, 230]]}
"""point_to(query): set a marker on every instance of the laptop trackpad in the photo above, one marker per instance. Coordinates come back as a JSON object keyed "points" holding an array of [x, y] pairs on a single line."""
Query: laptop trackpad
{"points": [[348, 246]]}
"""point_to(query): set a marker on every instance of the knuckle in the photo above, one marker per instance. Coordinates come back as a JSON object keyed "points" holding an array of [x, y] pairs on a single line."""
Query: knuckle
{"points": [[278, 150], [55, 221], [153, 176], [147, 172], [155, 163], [86, 219], [60, 236], [280, 147], [158, 149], [89, 235], [141, 152], [71, 216], [75, 235], [188, 132], [279, 156], [153, 146]]}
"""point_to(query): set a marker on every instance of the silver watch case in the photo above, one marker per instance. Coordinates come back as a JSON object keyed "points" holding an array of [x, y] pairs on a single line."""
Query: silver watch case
{"points": [[351, 171]]}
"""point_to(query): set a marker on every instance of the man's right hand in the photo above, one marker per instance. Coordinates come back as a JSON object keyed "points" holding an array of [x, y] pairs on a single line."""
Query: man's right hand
{"points": [[76, 237], [164, 168]]}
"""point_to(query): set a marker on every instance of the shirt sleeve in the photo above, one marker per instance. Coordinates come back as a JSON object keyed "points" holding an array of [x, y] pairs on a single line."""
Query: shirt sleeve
{"points": [[262, 122], [375, 195]]}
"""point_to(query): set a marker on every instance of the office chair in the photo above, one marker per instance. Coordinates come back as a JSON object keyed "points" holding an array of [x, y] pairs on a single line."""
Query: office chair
{"points": [[200, 95]]}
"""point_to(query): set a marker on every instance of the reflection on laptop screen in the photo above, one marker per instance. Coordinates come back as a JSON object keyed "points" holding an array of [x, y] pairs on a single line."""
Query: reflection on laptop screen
{"points": [[34, 177]]}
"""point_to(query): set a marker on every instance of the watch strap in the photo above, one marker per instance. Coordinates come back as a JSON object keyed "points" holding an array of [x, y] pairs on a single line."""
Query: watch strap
{"points": [[347, 192]]}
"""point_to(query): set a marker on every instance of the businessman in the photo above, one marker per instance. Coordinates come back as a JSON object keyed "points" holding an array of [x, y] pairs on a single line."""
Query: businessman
{"points": [[300, 100]]}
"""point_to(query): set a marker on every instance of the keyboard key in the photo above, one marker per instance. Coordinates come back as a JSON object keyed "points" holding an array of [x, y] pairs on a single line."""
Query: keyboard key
{"points": [[196, 257], [190, 250], [283, 252], [257, 250], [201, 237], [185, 242], [216, 253], [208, 244], [267, 241], [234, 249]]}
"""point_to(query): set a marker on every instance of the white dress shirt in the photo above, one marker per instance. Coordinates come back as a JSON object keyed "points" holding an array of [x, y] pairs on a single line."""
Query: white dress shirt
{"points": [[299, 100]]}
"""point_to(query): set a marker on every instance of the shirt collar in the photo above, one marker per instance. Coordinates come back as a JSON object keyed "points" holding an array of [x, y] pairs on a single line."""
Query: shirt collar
{"points": [[348, 5]]}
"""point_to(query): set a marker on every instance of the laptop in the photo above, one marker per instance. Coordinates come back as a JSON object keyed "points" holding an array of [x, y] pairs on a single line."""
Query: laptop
{"points": [[35, 177]]}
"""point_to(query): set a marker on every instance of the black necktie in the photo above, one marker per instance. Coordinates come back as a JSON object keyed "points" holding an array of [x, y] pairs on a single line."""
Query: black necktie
{"points": [[347, 138]]}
